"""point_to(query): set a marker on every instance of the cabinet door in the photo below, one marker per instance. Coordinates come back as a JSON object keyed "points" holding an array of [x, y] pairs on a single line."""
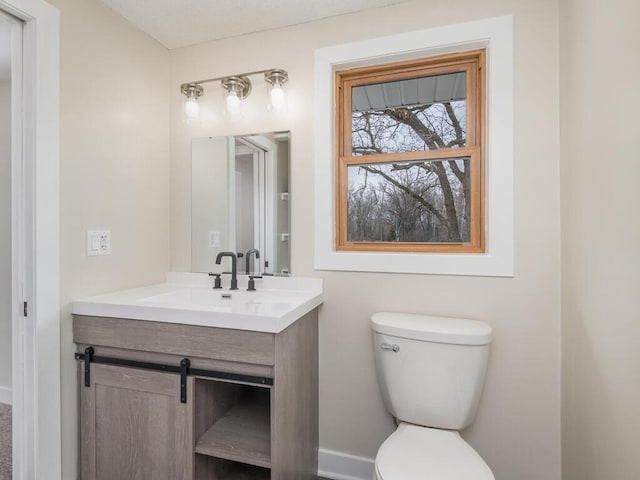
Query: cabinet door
{"points": [[133, 426]]}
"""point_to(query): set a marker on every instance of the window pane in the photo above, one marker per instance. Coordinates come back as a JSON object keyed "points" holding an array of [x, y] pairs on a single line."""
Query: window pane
{"points": [[419, 201], [409, 115]]}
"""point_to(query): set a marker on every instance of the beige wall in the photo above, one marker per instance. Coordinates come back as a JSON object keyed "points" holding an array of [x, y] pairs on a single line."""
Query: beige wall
{"points": [[5, 234], [600, 239], [518, 427], [114, 167]]}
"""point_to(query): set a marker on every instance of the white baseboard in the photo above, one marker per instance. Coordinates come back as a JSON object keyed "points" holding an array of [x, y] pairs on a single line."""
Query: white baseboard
{"points": [[6, 396], [341, 466]]}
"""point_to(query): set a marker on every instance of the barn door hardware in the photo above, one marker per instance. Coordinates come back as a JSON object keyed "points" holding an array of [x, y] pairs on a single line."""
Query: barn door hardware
{"points": [[184, 369]]}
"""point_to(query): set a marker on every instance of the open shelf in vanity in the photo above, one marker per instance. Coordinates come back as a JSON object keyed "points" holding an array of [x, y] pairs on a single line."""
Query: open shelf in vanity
{"points": [[233, 422], [221, 469]]}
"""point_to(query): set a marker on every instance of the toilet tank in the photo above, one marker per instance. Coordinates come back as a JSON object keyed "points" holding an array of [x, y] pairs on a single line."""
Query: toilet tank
{"points": [[431, 369]]}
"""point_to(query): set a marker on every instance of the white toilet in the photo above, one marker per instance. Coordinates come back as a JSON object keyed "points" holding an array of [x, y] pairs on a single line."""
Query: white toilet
{"points": [[431, 371]]}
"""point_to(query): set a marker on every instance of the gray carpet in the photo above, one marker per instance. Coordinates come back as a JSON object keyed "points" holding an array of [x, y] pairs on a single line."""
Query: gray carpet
{"points": [[5, 442]]}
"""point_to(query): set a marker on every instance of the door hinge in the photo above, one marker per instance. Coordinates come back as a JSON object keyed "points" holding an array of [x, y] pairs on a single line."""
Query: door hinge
{"points": [[24, 309]]}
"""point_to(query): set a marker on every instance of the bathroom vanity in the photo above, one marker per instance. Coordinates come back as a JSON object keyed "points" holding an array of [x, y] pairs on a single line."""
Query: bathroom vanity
{"points": [[178, 381]]}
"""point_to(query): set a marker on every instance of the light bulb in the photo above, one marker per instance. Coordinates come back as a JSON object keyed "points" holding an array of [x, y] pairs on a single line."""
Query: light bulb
{"points": [[233, 102], [192, 91], [277, 96], [191, 108], [276, 80]]}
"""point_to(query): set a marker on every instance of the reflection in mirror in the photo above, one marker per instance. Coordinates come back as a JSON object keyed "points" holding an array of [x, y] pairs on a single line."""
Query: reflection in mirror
{"points": [[240, 201]]}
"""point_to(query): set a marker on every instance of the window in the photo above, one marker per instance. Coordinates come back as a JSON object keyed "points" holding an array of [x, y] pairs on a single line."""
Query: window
{"points": [[493, 36], [409, 159]]}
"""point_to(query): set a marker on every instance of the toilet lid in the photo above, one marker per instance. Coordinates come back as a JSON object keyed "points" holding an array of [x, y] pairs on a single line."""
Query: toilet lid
{"points": [[422, 453]]}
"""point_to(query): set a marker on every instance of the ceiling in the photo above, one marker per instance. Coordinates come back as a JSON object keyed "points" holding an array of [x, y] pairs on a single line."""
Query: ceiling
{"points": [[174, 25]]}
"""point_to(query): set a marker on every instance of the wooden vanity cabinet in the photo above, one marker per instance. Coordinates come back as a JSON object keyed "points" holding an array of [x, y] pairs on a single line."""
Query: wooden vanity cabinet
{"points": [[133, 426], [256, 420]]}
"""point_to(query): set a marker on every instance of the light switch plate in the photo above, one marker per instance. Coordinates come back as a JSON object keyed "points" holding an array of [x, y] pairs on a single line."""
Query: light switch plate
{"points": [[214, 238], [98, 242]]}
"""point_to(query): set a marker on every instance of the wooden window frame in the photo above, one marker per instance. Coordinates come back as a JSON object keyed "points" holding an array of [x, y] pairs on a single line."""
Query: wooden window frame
{"points": [[473, 63]]}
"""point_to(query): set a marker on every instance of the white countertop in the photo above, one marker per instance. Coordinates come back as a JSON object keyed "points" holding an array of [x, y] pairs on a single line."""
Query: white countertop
{"points": [[188, 298]]}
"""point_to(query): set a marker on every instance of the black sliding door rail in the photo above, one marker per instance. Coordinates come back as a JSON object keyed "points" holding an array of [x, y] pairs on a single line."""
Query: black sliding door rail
{"points": [[184, 369]]}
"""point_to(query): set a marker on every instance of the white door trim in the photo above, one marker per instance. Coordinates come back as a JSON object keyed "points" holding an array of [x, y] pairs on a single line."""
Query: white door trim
{"points": [[266, 195], [36, 220]]}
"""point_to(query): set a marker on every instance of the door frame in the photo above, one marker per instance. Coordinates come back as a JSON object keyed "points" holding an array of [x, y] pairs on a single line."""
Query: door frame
{"points": [[267, 222], [37, 452]]}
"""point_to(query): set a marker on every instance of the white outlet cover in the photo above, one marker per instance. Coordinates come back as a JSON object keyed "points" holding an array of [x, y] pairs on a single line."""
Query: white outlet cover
{"points": [[98, 242]]}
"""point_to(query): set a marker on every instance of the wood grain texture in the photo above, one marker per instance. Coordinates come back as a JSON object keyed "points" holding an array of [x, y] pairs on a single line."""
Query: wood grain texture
{"points": [[134, 428], [209, 468], [186, 340], [247, 472], [133, 425], [220, 469], [212, 401], [242, 434], [294, 400], [173, 359]]}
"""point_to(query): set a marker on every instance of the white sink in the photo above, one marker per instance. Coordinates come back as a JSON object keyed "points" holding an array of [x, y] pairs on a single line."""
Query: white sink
{"points": [[190, 299], [269, 302]]}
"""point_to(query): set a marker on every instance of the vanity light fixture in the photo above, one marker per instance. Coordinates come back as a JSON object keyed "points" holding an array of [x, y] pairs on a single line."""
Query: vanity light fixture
{"points": [[192, 91], [276, 79], [236, 89]]}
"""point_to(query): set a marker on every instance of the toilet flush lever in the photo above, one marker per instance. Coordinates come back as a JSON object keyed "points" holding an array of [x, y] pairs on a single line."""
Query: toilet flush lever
{"points": [[388, 346]]}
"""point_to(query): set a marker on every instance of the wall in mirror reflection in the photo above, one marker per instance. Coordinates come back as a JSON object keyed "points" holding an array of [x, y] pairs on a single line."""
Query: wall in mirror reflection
{"points": [[240, 201]]}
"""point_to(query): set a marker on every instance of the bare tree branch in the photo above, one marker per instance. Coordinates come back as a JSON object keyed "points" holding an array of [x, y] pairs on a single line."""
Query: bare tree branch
{"points": [[408, 191]]}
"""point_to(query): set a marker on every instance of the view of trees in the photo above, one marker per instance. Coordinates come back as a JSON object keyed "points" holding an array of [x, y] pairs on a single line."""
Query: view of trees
{"points": [[410, 201]]}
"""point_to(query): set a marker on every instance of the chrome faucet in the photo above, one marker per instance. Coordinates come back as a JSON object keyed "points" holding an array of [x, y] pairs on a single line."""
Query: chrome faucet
{"points": [[247, 257], [234, 261]]}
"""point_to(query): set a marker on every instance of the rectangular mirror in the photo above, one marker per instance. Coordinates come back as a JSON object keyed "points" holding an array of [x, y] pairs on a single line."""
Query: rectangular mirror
{"points": [[240, 201]]}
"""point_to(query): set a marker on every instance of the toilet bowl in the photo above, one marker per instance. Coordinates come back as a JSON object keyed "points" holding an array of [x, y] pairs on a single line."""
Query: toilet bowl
{"points": [[431, 371], [422, 453]]}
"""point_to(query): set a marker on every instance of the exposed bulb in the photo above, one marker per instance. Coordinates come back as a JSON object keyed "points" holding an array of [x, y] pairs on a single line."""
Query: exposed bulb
{"points": [[233, 102], [277, 96], [191, 108]]}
